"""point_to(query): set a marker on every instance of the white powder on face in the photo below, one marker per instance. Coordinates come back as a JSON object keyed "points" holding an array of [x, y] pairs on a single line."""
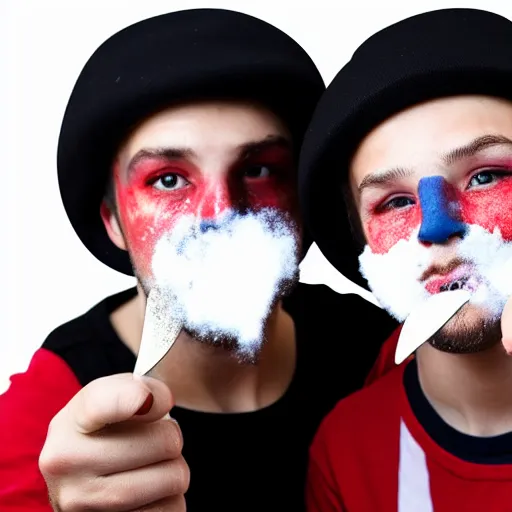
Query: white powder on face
{"points": [[394, 277], [223, 281], [492, 258]]}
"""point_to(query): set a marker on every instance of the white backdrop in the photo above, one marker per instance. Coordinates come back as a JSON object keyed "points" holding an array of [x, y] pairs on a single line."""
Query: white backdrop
{"points": [[47, 276]]}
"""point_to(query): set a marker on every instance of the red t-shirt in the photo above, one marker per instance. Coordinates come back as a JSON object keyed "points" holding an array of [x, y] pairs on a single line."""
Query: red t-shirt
{"points": [[371, 453]]}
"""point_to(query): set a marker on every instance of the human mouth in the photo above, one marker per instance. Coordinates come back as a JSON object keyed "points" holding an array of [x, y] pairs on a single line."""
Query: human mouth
{"points": [[460, 278], [458, 284]]}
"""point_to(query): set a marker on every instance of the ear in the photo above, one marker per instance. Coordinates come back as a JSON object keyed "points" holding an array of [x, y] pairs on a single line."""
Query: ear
{"points": [[112, 226]]}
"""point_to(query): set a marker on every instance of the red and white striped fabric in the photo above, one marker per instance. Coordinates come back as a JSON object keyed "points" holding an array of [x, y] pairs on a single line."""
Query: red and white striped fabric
{"points": [[372, 455]]}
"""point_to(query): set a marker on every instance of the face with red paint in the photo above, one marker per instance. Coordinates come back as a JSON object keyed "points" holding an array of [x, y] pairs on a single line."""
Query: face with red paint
{"points": [[432, 186], [195, 170]]}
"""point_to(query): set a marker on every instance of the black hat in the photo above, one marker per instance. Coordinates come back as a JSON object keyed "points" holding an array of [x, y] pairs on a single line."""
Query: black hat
{"points": [[439, 53], [180, 56]]}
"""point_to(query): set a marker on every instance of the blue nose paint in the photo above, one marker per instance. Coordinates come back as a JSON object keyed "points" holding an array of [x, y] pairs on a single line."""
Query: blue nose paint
{"points": [[217, 223], [207, 225], [440, 218]]}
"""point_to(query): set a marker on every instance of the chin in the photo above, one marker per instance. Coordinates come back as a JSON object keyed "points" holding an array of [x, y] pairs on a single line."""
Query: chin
{"points": [[245, 353], [473, 329]]}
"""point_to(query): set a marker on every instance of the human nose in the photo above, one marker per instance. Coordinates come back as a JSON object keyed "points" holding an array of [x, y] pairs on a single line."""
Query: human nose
{"points": [[440, 212]]}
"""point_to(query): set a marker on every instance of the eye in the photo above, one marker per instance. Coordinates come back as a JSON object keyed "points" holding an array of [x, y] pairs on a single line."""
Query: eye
{"points": [[257, 171], [397, 202], [170, 182], [485, 178]]}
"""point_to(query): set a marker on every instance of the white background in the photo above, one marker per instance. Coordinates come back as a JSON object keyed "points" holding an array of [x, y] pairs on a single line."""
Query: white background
{"points": [[47, 276]]}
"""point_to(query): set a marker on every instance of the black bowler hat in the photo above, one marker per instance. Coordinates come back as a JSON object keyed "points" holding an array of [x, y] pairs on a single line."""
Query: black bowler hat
{"points": [[431, 55], [175, 57]]}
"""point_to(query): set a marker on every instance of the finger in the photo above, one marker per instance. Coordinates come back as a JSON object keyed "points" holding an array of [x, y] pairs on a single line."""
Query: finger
{"points": [[118, 398], [114, 449], [130, 490], [127, 446], [506, 326], [172, 504]]}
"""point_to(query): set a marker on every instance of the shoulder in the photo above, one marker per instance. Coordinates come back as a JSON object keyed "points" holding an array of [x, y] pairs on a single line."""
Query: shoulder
{"points": [[40, 391], [355, 452], [355, 418], [348, 312], [88, 343], [359, 435], [340, 338], [33, 398], [85, 326]]}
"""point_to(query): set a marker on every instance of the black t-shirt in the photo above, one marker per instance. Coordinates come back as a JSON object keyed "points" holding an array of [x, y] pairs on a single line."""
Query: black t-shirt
{"points": [[252, 461], [480, 450]]}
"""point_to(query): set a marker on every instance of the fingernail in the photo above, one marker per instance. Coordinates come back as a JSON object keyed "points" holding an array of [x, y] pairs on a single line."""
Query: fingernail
{"points": [[146, 406]]}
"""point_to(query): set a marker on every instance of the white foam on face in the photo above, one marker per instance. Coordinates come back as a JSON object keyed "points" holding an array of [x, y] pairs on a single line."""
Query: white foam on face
{"points": [[224, 281], [394, 277], [492, 257]]}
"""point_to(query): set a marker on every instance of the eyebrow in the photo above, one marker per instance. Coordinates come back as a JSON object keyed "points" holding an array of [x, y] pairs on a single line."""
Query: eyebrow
{"points": [[381, 178], [166, 153], [249, 149], [474, 147], [243, 151]]}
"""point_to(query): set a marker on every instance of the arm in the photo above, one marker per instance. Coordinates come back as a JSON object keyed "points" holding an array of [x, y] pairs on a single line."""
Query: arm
{"points": [[26, 410], [322, 494]]}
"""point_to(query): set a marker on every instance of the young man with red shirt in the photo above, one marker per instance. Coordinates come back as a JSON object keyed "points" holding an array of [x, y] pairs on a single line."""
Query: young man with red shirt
{"points": [[414, 138]]}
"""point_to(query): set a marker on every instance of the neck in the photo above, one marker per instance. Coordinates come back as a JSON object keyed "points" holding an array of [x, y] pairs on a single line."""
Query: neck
{"points": [[211, 378], [469, 391]]}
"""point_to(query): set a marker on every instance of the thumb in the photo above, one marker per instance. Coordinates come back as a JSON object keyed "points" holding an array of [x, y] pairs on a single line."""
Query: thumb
{"points": [[119, 398], [506, 326]]}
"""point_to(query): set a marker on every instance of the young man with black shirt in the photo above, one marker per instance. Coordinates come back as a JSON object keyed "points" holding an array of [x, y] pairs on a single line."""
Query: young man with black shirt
{"points": [[177, 164]]}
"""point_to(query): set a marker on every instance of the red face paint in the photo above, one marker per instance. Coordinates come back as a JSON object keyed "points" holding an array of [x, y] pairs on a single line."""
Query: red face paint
{"points": [[148, 210], [387, 226], [490, 206]]}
